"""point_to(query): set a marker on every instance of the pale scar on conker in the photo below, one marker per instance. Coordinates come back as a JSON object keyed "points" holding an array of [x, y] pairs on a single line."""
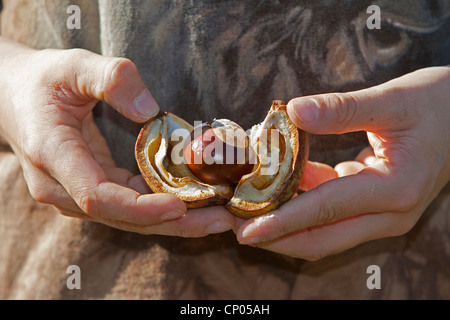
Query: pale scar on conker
{"points": [[218, 163]]}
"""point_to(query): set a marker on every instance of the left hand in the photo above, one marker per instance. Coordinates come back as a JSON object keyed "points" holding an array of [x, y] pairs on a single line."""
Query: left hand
{"points": [[386, 189], [46, 104]]}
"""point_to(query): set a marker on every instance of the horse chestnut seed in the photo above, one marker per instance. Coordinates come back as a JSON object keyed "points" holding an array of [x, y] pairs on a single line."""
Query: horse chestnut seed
{"points": [[219, 153]]}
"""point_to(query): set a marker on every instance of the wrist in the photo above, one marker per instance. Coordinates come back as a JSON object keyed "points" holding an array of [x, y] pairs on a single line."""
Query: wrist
{"points": [[12, 57]]}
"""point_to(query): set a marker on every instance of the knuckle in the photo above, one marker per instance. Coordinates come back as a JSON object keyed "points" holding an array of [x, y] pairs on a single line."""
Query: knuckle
{"points": [[70, 55], [343, 105], [346, 108], [407, 200], [396, 95], [61, 60], [33, 152], [326, 215], [402, 229], [116, 71], [402, 226], [40, 193], [406, 196], [327, 211], [88, 202]]}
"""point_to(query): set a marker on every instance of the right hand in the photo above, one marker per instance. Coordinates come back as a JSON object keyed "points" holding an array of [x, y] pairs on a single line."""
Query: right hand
{"points": [[46, 116]]}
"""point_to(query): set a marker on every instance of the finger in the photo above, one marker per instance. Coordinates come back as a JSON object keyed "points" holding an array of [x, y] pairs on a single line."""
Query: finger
{"points": [[87, 183], [45, 189], [195, 223], [111, 201], [366, 156], [315, 174], [138, 183], [77, 213], [318, 242], [96, 141], [371, 109], [49, 191], [118, 175], [331, 201], [364, 159], [348, 167], [115, 81]]}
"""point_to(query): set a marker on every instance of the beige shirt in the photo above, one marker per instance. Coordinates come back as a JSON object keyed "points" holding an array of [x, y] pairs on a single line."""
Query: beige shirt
{"points": [[223, 59]]}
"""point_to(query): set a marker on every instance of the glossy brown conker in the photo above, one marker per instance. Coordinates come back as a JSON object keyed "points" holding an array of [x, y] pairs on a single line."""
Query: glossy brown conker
{"points": [[219, 153]]}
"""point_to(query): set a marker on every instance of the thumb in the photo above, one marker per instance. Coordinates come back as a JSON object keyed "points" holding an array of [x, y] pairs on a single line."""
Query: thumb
{"points": [[117, 82], [336, 113]]}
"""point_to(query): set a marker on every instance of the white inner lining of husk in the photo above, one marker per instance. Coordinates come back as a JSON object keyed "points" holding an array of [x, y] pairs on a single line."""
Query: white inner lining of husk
{"points": [[249, 189], [187, 188]]}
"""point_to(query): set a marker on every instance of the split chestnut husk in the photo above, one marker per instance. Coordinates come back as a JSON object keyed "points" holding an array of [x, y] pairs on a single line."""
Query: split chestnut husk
{"points": [[278, 149]]}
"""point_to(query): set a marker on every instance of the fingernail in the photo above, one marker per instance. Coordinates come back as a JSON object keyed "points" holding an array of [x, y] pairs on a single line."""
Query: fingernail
{"points": [[146, 105], [218, 227], [172, 215], [248, 238], [306, 109]]}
